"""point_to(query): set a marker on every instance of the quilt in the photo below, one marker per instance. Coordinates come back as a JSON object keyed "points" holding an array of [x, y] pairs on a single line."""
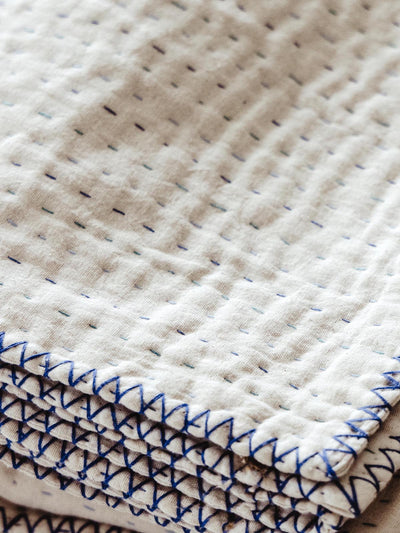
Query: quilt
{"points": [[199, 295]]}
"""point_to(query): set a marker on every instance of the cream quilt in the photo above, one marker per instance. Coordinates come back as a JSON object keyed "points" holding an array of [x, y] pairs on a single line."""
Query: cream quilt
{"points": [[199, 257]]}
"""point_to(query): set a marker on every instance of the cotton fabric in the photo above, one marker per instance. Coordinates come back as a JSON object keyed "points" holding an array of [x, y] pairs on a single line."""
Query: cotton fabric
{"points": [[199, 256], [383, 514]]}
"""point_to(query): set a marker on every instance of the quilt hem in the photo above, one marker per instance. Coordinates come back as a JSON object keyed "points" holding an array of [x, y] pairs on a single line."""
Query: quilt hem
{"points": [[214, 426]]}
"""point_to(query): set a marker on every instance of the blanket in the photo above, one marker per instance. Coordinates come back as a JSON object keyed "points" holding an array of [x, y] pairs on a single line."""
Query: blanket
{"points": [[199, 258]]}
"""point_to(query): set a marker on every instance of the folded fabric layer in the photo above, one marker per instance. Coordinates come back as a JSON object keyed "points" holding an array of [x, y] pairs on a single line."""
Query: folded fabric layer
{"points": [[383, 514], [141, 474], [199, 256], [17, 519], [43, 497]]}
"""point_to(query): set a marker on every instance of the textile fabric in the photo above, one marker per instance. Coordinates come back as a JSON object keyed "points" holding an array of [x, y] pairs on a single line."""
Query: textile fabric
{"points": [[199, 257], [382, 515]]}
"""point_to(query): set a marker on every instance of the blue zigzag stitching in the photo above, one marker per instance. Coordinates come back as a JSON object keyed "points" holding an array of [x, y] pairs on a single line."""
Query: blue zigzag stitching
{"points": [[79, 435], [202, 517], [154, 470], [350, 495], [181, 509], [373, 412], [48, 426], [54, 524], [88, 493], [257, 512], [17, 462], [48, 388]]}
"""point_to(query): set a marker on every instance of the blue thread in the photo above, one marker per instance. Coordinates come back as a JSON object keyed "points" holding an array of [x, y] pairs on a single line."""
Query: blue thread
{"points": [[371, 415]]}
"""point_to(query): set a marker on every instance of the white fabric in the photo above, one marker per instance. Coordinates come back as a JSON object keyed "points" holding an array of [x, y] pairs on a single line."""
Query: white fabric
{"points": [[199, 226], [25, 490], [49, 431], [383, 515], [17, 519]]}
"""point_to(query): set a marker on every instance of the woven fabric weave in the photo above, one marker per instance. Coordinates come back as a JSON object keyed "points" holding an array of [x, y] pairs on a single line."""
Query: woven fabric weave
{"points": [[199, 256], [383, 515]]}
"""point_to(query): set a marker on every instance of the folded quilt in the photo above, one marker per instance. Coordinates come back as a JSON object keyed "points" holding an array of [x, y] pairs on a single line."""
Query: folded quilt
{"points": [[199, 259], [28, 503], [17, 519], [383, 514]]}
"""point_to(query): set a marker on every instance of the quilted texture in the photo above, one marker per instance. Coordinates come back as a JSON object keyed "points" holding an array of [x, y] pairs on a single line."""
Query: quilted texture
{"points": [[199, 246], [16, 519], [383, 514], [19, 487]]}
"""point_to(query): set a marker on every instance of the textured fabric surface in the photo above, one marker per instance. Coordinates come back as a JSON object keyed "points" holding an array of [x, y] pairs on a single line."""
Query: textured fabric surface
{"points": [[17, 519], [199, 256], [382, 516], [20, 488]]}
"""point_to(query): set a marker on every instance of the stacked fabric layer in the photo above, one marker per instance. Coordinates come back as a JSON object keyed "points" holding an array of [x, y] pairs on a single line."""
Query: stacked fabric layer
{"points": [[199, 259], [145, 465], [18, 519], [113, 452], [383, 514], [31, 503]]}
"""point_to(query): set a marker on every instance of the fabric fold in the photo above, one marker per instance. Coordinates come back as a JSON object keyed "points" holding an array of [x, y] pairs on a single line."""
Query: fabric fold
{"points": [[199, 259]]}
